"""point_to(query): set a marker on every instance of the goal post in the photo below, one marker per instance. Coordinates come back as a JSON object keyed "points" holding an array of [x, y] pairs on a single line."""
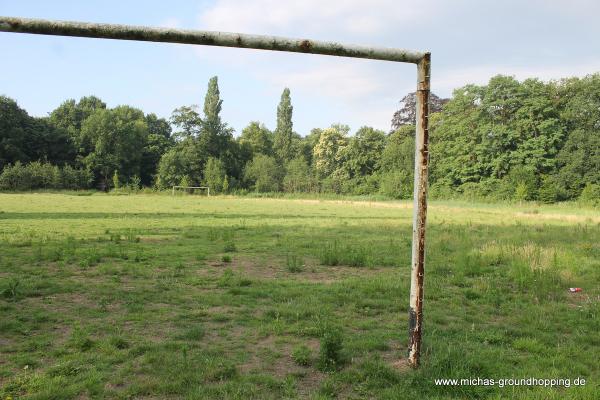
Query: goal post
{"points": [[191, 187], [275, 43]]}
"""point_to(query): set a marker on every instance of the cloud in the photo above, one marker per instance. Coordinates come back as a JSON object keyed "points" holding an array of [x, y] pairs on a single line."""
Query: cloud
{"points": [[311, 17]]}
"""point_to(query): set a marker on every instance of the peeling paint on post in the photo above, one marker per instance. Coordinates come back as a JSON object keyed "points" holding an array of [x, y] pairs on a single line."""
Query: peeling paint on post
{"points": [[419, 211], [207, 38], [274, 43]]}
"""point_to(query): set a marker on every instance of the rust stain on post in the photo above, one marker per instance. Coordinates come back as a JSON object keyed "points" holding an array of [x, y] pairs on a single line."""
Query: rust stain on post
{"points": [[305, 45], [419, 211]]}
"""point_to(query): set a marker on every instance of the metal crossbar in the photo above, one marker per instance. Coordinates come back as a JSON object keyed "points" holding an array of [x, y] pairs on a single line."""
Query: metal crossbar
{"points": [[274, 43]]}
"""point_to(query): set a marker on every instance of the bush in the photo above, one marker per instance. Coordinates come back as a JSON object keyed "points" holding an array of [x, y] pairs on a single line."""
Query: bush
{"points": [[548, 192], [38, 175], [396, 184], [590, 194]]}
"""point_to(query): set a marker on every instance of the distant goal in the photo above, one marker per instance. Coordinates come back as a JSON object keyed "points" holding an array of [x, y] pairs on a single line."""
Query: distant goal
{"points": [[191, 190]]}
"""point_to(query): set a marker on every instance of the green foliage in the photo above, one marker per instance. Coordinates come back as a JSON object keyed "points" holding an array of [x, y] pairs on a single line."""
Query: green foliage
{"points": [[188, 121], [119, 136], [293, 263], [214, 174], [328, 152], [25, 139], [225, 184], [362, 154], [330, 357], [302, 355], [507, 140], [11, 290], [257, 139], [396, 184], [115, 180], [37, 175], [351, 255], [549, 190], [182, 160], [521, 192], [299, 177], [263, 173], [282, 143], [590, 194]]}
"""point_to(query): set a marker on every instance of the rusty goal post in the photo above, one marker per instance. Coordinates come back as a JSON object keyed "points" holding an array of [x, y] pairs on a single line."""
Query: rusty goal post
{"points": [[274, 43]]}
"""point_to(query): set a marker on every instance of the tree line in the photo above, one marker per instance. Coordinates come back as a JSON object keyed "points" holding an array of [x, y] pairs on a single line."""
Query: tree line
{"points": [[509, 140]]}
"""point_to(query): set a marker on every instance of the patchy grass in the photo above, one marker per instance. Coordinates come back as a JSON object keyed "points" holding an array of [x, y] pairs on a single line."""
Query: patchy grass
{"points": [[148, 296]]}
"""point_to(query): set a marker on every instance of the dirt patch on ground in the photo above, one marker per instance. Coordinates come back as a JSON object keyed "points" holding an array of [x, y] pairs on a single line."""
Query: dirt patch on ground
{"points": [[272, 355], [274, 269]]}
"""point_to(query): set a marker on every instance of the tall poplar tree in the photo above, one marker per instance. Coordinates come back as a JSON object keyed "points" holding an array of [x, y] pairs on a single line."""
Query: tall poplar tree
{"points": [[283, 133]]}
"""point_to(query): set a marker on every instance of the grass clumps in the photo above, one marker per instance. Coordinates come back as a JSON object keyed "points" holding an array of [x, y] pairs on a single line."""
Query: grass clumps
{"points": [[353, 256], [294, 264], [11, 291], [302, 355], [330, 351]]}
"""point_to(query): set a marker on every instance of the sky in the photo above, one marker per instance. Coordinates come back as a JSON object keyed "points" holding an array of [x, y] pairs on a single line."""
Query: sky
{"points": [[470, 41]]}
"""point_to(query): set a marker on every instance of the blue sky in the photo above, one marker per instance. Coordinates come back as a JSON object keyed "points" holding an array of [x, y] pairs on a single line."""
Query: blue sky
{"points": [[470, 41]]}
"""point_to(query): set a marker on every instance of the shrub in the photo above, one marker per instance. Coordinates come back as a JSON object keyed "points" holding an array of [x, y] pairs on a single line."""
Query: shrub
{"points": [[396, 184], [590, 194], [38, 175]]}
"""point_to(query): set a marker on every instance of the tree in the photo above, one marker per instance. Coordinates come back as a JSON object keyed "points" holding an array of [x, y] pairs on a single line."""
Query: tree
{"points": [[263, 174], [407, 113], [24, 138], [362, 155], [283, 133], [215, 136], [579, 158], [70, 116], [118, 138], [178, 162], [299, 177], [15, 130], [158, 142], [214, 174], [257, 139], [399, 151], [187, 119], [327, 153]]}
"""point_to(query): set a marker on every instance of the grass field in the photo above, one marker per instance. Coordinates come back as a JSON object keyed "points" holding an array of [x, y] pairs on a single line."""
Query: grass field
{"points": [[159, 297]]}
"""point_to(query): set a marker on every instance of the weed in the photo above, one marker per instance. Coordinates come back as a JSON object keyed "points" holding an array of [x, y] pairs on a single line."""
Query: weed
{"points": [[81, 341], [330, 357], [229, 247], [226, 258], [302, 355], [294, 263], [118, 342], [330, 255], [194, 333], [12, 289]]}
